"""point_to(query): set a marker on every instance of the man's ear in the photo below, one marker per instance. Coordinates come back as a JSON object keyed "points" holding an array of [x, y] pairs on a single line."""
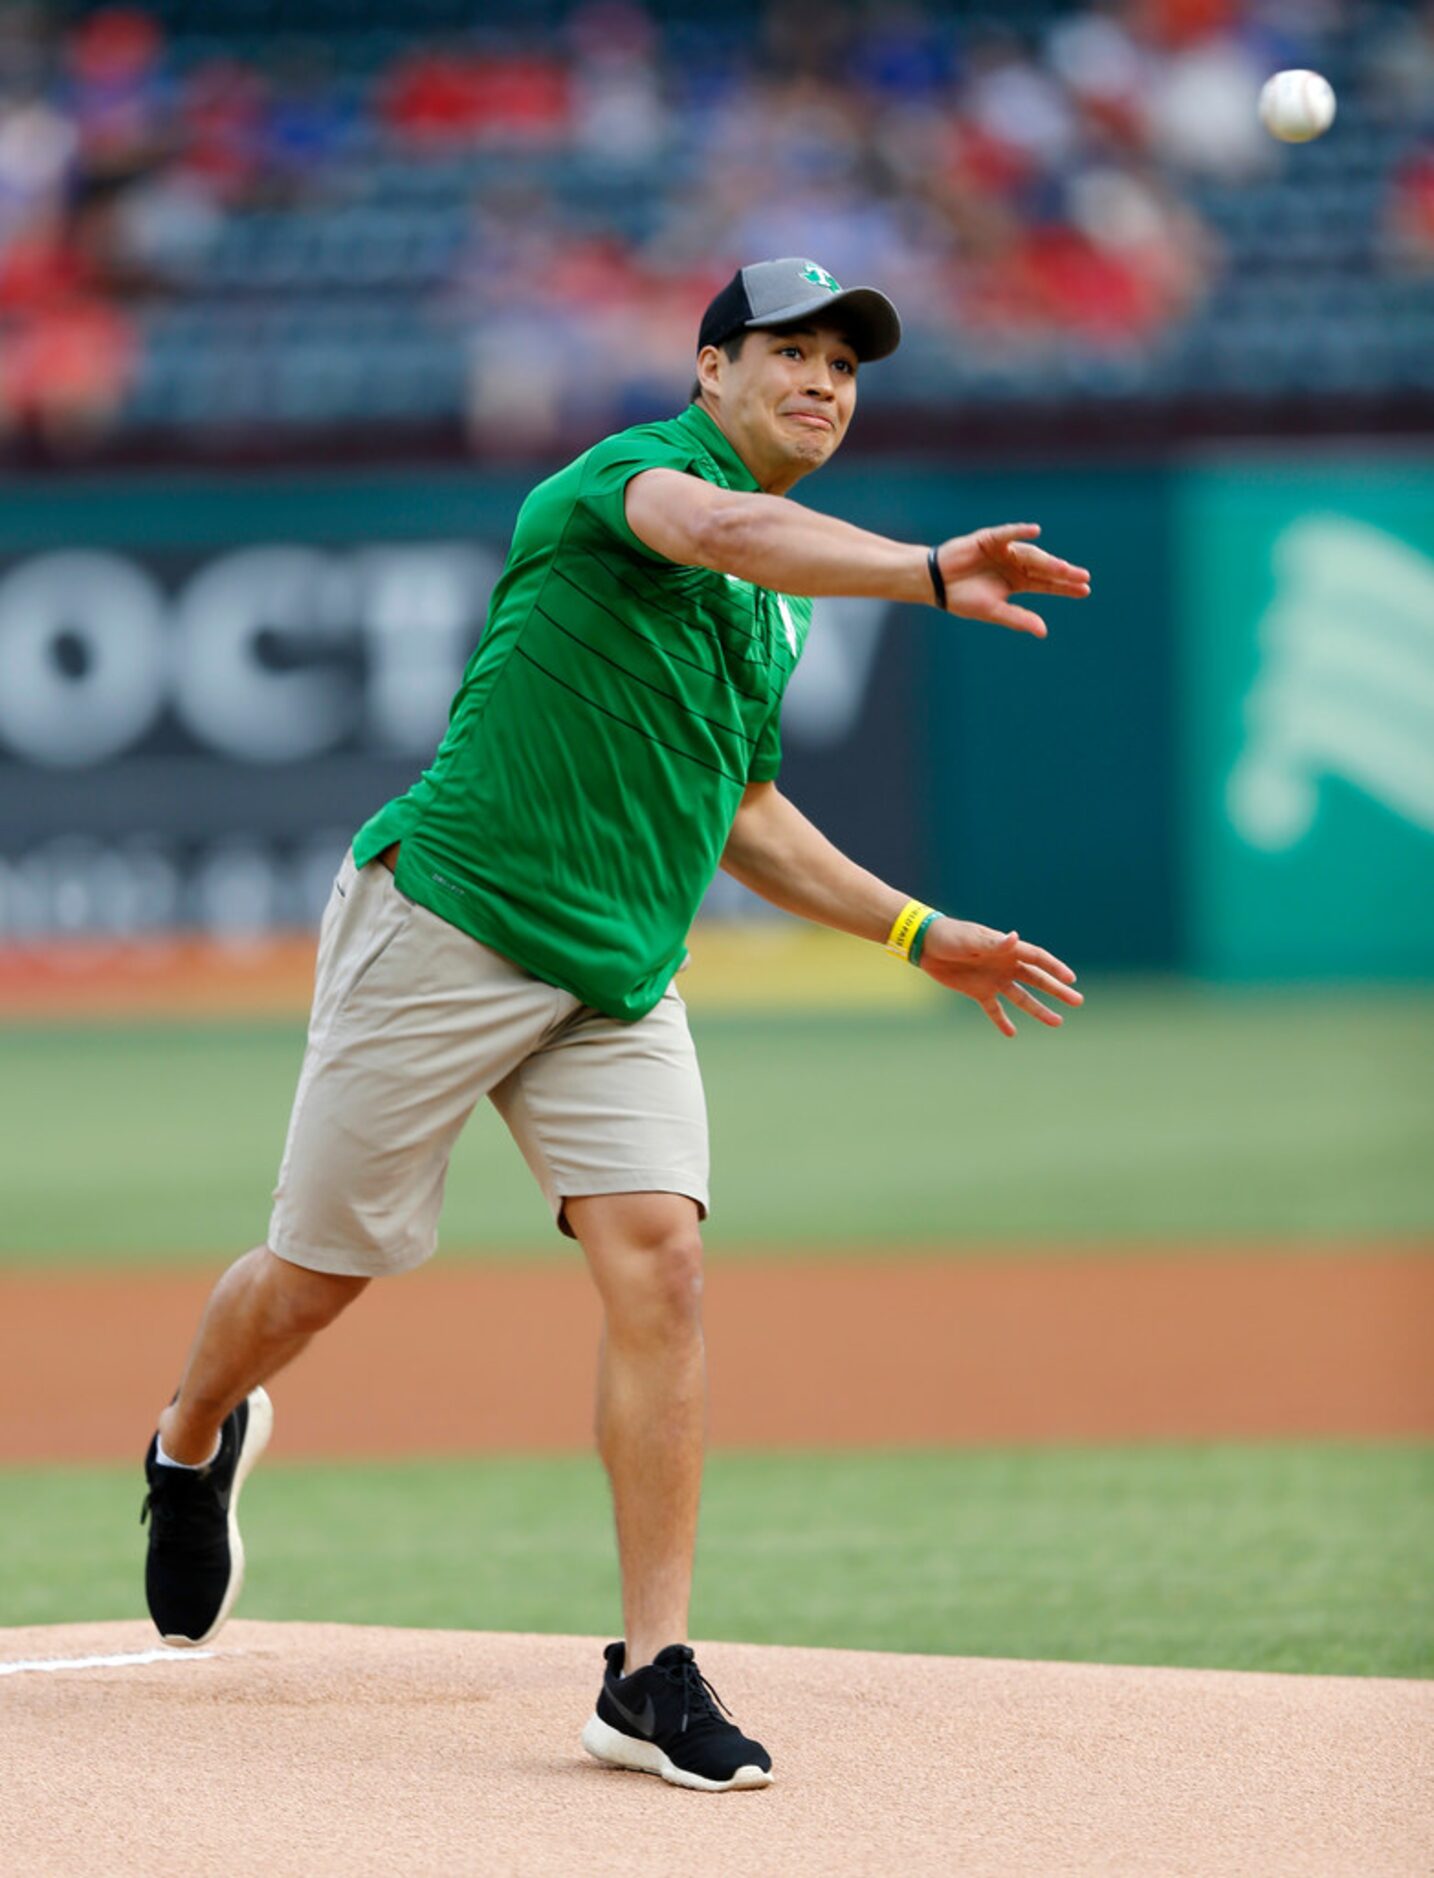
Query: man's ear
{"points": [[709, 368]]}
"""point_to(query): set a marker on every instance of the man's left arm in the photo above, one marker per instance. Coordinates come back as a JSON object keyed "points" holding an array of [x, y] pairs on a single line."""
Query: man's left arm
{"points": [[776, 852]]}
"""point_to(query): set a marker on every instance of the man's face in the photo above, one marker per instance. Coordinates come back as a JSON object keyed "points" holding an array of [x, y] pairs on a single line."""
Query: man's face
{"points": [[785, 401]]}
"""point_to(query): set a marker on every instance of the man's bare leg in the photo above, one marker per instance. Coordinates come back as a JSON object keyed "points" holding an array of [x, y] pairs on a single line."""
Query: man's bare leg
{"points": [[259, 1317], [645, 1253]]}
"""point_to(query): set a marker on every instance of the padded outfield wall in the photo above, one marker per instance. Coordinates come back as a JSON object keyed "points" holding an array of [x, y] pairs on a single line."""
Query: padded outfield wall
{"points": [[1223, 762]]}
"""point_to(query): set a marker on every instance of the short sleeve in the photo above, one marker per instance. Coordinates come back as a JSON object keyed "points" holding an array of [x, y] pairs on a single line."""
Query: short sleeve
{"points": [[767, 757], [610, 466]]}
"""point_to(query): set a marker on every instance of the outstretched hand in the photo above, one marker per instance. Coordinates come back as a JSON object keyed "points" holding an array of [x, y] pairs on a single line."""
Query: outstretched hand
{"points": [[983, 570], [988, 966]]}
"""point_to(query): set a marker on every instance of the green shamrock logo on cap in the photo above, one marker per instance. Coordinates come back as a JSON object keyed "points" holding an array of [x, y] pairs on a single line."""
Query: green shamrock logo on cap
{"points": [[819, 277]]}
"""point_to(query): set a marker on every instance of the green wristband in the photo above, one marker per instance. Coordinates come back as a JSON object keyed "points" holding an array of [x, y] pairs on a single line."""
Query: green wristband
{"points": [[918, 940]]}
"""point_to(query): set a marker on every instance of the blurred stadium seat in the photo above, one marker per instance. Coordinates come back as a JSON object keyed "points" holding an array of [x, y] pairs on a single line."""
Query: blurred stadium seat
{"points": [[327, 214]]}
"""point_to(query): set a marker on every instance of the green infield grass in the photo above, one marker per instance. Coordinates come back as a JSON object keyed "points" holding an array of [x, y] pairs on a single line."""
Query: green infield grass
{"points": [[1156, 1114], [1310, 1559]]}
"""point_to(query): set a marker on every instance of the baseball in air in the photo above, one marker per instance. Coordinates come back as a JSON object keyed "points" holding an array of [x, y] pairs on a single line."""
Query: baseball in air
{"points": [[1297, 106]]}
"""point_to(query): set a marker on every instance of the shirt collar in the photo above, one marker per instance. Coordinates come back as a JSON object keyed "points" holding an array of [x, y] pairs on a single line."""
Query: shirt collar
{"points": [[713, 440]]}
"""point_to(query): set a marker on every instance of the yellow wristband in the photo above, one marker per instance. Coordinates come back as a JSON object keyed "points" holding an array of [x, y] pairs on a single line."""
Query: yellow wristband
{"points": [[907, 925]]}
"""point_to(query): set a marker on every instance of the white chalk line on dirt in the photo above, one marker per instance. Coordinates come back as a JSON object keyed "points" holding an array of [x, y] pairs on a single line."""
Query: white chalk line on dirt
{"points": [[47, 1663]]}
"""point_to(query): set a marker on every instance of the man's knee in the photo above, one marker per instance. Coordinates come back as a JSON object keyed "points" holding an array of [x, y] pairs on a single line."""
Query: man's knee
{"points": [[647, 1261], [301, 1301], [667, 1274]]}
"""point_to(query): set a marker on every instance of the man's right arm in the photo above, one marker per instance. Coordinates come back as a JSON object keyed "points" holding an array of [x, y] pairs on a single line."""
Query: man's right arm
{"points": [[790, 549]]}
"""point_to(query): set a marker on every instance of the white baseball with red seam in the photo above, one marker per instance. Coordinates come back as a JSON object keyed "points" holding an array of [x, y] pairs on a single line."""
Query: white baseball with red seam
{"points": [[1296, 106]]}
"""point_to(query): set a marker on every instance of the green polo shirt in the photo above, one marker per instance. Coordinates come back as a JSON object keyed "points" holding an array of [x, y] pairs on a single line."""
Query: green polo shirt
{"points": [[597, 750]]}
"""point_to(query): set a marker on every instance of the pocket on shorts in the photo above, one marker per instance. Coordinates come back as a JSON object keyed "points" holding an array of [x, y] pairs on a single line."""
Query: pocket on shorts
{"points": [[337, 903], [363, 932]]}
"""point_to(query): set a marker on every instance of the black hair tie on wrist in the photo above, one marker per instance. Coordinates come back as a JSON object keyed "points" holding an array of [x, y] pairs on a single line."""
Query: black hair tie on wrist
{"points": [[938, 585]]}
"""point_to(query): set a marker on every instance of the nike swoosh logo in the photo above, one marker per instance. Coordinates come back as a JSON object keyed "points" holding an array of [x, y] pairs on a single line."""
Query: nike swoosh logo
{"points": [[643, 1723]]}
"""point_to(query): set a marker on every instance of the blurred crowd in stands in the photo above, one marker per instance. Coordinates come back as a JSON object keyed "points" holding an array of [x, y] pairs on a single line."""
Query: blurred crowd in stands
{"points": [[516, 214]]}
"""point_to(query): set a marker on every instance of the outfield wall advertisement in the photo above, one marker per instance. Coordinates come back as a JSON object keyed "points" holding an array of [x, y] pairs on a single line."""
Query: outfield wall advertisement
{"points": [[1224, 760], [1309, 719], [205, 688]]}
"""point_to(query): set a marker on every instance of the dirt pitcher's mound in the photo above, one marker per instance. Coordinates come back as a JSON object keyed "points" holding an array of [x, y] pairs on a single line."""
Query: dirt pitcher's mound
{"points": [[313, 1749]]}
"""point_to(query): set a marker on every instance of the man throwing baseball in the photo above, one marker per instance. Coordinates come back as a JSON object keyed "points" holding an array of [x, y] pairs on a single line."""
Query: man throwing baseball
{"points": [[512, 928]]}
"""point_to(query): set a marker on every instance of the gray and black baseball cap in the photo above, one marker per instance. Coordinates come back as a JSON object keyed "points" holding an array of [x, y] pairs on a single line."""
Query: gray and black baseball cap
{"points": [[780, 293]]}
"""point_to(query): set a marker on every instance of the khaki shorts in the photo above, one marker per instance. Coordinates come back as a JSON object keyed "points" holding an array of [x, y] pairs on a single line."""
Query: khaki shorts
{"points": [[412, 1023]]}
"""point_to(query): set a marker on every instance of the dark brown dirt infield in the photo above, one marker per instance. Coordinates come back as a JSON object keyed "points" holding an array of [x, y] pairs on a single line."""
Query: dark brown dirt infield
{"points": [[300, 1751], [500, 1357]]}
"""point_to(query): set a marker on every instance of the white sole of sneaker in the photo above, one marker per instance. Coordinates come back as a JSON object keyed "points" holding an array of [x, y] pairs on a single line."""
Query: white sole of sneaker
{"points": [[256, 1439], [606, 1743]]}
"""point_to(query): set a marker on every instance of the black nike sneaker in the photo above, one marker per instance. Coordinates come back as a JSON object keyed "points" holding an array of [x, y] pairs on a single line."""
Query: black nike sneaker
{"points": [[668, 1719], [195, 1567]]}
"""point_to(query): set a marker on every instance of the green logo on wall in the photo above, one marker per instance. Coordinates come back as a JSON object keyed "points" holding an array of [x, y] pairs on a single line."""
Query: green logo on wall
{"points": [[1345, 686], [1310, 706]]}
